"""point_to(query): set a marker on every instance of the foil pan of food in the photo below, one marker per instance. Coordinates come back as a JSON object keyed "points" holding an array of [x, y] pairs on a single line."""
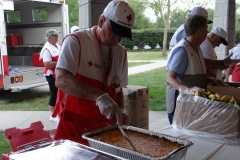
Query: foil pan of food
{"points": [[149, 145]]}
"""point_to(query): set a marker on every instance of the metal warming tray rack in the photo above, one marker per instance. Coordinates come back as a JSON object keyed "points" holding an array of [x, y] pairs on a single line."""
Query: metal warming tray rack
{"points": [[62, 149], [129, 154]]}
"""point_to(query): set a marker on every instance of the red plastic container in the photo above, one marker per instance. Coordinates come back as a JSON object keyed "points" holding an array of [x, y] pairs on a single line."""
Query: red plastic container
{"points": [[24, 138], [12, 40], [20, 39], [36, 61], [5, 156]]}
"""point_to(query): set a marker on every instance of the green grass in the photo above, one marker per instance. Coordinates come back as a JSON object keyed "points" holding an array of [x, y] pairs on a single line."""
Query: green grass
{"points": [[4, 144], [156, 81], [39, 103], [132, 64], [146, 55]]}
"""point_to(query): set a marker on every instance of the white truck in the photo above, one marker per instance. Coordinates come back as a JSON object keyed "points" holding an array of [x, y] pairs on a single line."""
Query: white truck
{"points": [[23, 24]]}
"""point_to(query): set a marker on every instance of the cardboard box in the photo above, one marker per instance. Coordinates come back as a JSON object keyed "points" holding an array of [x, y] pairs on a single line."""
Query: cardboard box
{"points": [[234, 84], [227, 90], [208, 116], [137, 106]]}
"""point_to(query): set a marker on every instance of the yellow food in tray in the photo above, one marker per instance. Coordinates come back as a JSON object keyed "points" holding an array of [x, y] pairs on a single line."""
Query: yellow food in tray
{"points": [[212, 95], [152, 146]]}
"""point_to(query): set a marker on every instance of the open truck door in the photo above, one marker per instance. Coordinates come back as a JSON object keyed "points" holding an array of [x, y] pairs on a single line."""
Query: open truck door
{"points": [[23, 27]]}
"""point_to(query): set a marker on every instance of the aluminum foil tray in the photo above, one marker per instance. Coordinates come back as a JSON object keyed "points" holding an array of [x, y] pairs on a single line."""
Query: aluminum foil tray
{"points": [[62, 149], [129, 154]]}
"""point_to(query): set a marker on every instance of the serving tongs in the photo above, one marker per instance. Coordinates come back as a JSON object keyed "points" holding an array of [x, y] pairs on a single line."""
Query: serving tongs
{"points": [[124, 134]]}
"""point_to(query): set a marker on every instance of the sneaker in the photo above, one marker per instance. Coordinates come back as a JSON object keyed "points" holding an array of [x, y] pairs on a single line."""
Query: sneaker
{"points": [[54, 119]]}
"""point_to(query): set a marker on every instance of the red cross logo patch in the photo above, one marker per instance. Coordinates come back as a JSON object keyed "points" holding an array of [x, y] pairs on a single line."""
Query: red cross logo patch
{"points": [[129, 17], [90, 63]]}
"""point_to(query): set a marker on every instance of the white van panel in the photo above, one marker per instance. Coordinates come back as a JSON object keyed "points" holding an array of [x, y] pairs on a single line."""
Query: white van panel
{"points": [[8, 5]]}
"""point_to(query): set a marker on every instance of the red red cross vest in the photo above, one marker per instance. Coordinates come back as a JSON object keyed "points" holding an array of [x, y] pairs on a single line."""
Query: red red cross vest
{"points": [[53, 69], [236, 73], [79, 115], [54, 52]]}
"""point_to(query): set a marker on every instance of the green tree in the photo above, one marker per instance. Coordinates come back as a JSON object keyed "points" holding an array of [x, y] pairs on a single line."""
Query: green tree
{"points": [[141, 21], [237, 18], [14, 16], [73, 12], [162, 8], [210, 16], [40, 14], [159, 23], [178, 17]]}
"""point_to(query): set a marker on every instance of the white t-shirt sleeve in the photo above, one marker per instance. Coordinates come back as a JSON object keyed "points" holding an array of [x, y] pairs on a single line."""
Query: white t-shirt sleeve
{"points": [[236, 52], [208, 50], [69, 55], [207, 54], [47, 56]]}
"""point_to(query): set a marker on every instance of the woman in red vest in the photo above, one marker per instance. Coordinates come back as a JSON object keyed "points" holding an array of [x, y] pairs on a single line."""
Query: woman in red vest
{"points": [[49, 54]]}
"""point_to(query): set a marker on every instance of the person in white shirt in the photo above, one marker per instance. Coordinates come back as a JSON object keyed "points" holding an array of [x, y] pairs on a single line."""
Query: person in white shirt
{"points": [[180, 32], [74, 29], [214, 38], [186, 71], [234, 70], [49, 54]]}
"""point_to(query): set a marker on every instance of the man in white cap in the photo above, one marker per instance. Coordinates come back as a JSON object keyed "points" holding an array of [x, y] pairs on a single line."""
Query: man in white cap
{"points": [[74, 29], [180, 32], [91, 71], [214, 38]]}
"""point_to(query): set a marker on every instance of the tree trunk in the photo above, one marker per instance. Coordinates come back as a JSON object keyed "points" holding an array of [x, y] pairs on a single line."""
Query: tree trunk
{"points": [[164, 46]]}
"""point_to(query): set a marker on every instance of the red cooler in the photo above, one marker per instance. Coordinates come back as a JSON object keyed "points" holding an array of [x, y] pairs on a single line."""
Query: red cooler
{"points": [[12, 40], [36, 61], [26, 138]]}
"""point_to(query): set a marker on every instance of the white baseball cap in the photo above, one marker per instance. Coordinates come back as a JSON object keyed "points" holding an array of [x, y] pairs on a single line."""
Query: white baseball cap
{"points": [[198, 11], [52, 32], [221, 33], [121, 16], [74, 28]]}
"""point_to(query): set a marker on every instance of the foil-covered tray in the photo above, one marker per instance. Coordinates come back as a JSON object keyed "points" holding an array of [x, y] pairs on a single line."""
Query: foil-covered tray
{"points": [[62, 149], [129, 154]]}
